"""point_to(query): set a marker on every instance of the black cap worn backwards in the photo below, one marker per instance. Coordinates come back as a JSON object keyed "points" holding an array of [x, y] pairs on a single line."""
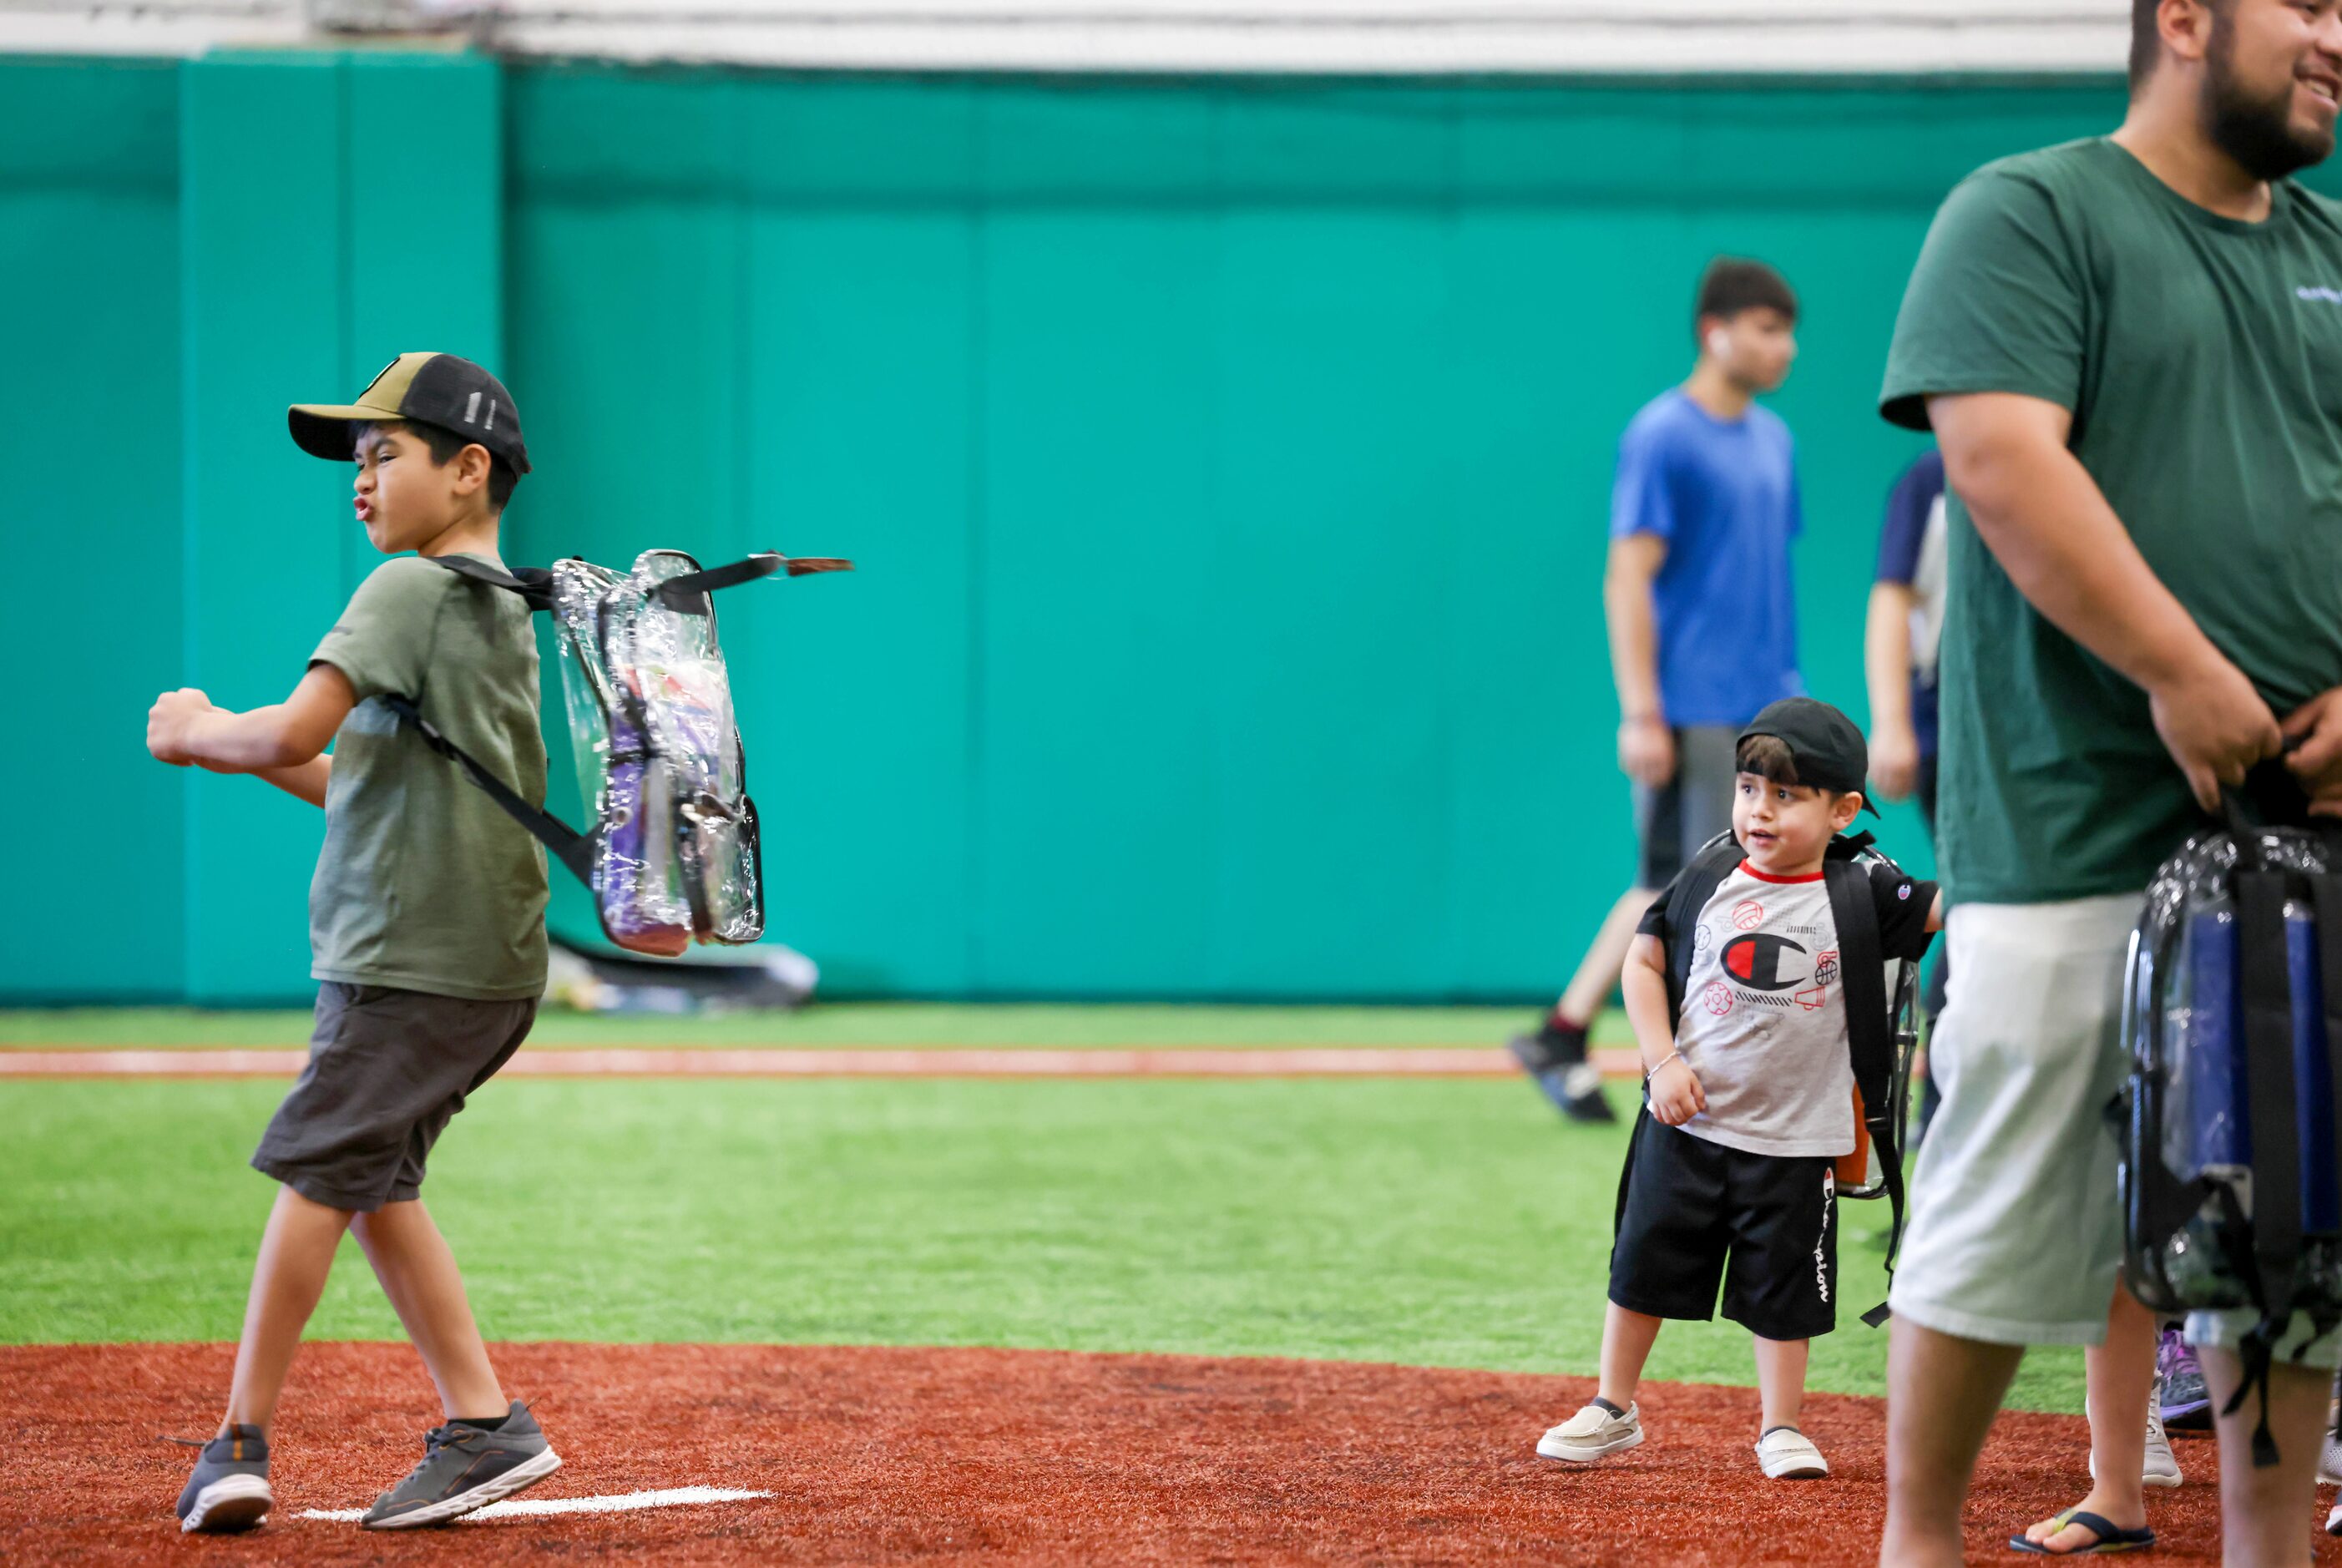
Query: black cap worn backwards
{"points": [[425, 388], [1828, 748]]}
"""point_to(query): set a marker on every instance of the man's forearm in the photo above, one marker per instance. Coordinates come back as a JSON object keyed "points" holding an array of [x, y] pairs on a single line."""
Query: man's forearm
{"points": [[1633, 643], [258, 741], [1886, 656], [2051, 527]]}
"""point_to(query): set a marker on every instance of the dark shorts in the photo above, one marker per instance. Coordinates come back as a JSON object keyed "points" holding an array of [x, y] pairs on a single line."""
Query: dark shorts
{"points": [[1675, 820], [387, 1069], [1699, 1214]]}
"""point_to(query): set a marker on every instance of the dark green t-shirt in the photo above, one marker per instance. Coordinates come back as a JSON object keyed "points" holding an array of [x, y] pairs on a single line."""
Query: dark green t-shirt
{"points": [[424, 884], [2202, 360]]}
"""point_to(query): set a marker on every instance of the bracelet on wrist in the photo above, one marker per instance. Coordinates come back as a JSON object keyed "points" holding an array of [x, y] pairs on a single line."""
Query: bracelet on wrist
{"points": [[1663, 1061]]}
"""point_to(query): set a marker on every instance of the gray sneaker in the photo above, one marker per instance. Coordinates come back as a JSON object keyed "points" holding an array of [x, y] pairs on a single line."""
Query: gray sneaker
{"points": [[466, 1467], [229, 1490]]}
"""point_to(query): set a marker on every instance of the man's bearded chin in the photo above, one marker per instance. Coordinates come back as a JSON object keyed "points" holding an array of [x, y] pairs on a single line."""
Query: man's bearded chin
{"points": [[2257, 132]]}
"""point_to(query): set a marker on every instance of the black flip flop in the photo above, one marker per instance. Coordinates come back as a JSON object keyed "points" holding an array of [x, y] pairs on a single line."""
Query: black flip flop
{"points": [[2109, 1538]]}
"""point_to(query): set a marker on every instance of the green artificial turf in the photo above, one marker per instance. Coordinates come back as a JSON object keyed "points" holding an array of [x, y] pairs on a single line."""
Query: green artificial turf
{"points": [[1437, 1222], [933, 1024]]}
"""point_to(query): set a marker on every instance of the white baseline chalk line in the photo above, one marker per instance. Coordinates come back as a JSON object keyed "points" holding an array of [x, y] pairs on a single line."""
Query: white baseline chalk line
{"points": [[519, 1507]]}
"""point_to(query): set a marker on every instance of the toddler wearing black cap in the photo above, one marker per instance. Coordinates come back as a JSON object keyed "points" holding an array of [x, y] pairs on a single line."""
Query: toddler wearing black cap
{"points": [[1731, 1176]]}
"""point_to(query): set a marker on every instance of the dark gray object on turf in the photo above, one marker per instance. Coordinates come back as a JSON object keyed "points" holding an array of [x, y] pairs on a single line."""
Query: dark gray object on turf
{"points": [[229, 1488], [466, 1467]]}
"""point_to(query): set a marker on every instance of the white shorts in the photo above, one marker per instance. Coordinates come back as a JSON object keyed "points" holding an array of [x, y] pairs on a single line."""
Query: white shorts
{"points": [[2016, 1234]]}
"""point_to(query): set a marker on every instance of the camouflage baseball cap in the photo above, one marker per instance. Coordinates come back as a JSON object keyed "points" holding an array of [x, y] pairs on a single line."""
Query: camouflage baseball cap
{"points": [[439, 389]]}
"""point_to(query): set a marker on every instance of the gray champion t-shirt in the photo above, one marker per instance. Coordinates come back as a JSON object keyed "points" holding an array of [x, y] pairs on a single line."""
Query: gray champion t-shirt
{"points": [[1763, 1010]]}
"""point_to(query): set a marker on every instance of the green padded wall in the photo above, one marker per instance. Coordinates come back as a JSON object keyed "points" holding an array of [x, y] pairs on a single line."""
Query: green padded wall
{"points": [[90, 442], [336, 210], [1227, 463]]}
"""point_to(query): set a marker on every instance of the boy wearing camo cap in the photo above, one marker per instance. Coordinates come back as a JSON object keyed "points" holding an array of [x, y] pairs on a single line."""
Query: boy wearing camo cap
{"points": [[427, 926]]}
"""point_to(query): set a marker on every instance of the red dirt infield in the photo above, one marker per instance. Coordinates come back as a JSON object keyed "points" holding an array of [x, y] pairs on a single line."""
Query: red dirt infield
{"points": [[881, 1456]]}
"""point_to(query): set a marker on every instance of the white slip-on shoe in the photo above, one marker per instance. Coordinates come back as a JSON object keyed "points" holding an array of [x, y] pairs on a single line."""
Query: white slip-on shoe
{"points": [[2329, 1461], [1787, 1454], [1591, 1434]]}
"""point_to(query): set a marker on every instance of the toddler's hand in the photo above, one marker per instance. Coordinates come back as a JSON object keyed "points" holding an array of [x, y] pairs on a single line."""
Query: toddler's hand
{"points": [[1676, 1094], [167, 721]]}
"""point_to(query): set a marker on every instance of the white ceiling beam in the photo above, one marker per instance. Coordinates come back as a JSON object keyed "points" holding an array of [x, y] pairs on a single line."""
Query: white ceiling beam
{"points": [[1367, 37]]}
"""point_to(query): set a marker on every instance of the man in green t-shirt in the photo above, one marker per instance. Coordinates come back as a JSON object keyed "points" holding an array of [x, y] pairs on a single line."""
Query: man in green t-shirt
{"points": [[2130, 349]]}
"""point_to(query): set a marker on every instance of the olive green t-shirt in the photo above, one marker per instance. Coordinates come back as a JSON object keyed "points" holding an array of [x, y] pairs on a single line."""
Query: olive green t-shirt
{"points": [[424, 884], [2202, 360]]}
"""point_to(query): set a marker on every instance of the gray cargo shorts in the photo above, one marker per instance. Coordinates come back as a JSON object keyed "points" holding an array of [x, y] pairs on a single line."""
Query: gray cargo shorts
{"points": [[387, 1070]]}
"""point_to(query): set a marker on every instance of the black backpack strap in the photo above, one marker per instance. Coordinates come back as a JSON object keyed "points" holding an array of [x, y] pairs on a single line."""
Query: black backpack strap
{"points": [[1869, 1028], [687, 594], [1862, 970], [532, 584], [2326, 902], [1688, 897], [1902, 1037], [2276, 1142], [570, 847]]}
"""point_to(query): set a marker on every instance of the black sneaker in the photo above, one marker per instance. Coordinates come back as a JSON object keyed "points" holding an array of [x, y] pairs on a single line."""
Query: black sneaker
{"points": [[1555, 1057], [229, 1490], [466, 1467]]}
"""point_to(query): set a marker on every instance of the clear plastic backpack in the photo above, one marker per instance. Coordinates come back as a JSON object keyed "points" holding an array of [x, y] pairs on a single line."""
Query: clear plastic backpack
{"points": [[673, 856], [2231, 1017]]}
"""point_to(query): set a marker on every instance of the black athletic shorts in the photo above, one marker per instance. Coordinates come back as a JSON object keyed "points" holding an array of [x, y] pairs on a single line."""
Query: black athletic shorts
{"points": [[387, 1070], [1697, 1214]]}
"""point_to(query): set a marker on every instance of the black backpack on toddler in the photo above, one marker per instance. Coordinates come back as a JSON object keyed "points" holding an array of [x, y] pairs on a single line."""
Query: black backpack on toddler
{"points": [[674, 855], [1881, 1024], [2229, 1123]]}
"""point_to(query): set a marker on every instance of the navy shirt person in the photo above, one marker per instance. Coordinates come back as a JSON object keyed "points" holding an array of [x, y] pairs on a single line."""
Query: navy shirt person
{"points": [[1701, 618], [1905, 629], [1900, 642]]}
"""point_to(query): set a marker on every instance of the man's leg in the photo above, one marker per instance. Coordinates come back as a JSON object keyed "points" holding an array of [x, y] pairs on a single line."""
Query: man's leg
{"points": [[297, 1252], [2267, 1515], [418, 1273], [1597, 973], [1942, 1393], [2015, 1233]]}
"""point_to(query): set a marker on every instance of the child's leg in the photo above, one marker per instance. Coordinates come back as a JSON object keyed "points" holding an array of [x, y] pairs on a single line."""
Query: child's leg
{"points": [[1626, 1341], [1781, 1378], [297, 1252], [418, 1273]]}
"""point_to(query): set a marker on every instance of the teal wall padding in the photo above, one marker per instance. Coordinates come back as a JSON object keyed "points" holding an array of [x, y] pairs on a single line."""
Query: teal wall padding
{"points": [[89, 508], [336, 209], [1227, 464]]}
